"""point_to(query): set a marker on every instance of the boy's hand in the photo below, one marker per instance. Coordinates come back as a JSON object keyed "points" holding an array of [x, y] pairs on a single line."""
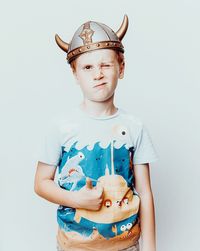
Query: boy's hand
{"points": [[89, 197]]}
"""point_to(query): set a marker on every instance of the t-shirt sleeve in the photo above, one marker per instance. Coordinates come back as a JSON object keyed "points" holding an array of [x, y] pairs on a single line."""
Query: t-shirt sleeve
{"points": [[144, 149], [50, 150]]}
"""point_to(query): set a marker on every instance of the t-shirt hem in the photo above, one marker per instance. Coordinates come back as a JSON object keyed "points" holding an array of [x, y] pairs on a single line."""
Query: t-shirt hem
{"points": [[48, 162], [143, 161]]}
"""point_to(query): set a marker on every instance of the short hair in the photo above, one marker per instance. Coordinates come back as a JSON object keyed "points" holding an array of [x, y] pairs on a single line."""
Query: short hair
{"points": [[119, 54]]}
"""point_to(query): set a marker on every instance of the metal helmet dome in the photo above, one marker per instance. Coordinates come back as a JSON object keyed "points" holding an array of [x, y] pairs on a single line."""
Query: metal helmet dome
{"points": [[93, 36]]}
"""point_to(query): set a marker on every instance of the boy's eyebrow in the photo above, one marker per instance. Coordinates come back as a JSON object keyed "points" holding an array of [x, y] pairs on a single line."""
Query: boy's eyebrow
{"points": [[85, 64]]}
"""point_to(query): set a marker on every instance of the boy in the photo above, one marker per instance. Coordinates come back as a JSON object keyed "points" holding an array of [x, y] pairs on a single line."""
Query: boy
{"points": [[102, 154]]}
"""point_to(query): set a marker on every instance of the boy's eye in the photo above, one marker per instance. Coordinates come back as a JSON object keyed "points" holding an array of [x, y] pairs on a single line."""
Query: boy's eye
{"points": [[88, 67]]}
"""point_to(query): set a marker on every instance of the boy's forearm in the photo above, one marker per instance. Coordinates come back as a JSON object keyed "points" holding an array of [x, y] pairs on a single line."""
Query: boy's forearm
{"points": [[147, 221], [48, 190]]}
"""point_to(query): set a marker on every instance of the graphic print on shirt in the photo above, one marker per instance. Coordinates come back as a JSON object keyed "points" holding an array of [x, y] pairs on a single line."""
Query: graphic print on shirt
{"points": [[111, 168], [72, 171]]}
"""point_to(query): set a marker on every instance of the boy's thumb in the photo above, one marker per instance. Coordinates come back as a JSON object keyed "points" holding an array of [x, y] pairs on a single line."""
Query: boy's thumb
{"points": [[88, 183], [100, 188]]}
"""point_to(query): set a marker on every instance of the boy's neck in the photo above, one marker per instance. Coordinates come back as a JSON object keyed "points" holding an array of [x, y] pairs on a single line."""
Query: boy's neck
{"points": [[98, 109]]}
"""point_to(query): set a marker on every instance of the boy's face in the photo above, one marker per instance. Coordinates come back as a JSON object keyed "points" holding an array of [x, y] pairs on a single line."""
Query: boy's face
{"points": [[97, 73]]}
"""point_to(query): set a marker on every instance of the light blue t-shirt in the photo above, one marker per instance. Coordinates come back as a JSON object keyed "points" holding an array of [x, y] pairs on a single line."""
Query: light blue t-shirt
{"points": [[105, 149]]}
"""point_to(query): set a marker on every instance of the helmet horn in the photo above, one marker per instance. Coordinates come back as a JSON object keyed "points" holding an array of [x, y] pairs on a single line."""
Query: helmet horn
{"points": [[63, 45], [122, 30]]}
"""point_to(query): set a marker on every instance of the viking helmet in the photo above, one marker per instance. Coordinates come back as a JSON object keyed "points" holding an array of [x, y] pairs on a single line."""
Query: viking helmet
{"points": [[93, 36]]}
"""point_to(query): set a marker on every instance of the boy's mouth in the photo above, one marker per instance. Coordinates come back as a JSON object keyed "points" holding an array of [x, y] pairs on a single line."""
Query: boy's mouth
{"points": [[98, 85]]}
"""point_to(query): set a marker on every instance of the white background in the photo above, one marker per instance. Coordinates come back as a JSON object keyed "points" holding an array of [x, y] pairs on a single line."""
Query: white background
{"points": [[161, 86]]}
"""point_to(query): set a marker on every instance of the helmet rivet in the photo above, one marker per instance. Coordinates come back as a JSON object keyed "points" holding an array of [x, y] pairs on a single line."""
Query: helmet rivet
{"points": [[97, 45], [88, 47], [79, 50], [107, 44]]}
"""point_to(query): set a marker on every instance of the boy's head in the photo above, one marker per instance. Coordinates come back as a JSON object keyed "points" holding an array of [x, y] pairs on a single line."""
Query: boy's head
{"points": [[96, 58]]}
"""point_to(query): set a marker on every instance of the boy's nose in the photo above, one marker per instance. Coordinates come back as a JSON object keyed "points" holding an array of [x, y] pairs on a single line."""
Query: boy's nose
{"points": [[98, 74]]}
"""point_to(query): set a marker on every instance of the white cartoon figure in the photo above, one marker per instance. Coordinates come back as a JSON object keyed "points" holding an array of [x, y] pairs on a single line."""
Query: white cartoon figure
{"points": [[72, 171]]}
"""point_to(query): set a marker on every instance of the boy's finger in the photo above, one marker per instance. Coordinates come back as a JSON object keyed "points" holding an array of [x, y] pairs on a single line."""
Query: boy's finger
{"points": [[88, 183]]}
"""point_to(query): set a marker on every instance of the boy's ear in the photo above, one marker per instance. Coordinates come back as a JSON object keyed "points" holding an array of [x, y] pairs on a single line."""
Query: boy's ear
{"points": [[73, 68], [75, 76], [121, 70]]}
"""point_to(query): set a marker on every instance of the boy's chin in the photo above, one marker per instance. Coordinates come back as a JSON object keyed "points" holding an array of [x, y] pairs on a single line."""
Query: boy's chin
{"points": [[101, 99]]}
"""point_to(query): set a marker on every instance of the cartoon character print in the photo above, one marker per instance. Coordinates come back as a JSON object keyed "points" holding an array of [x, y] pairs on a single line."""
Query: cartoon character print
{"points": [[124, 227], [72, 171]]}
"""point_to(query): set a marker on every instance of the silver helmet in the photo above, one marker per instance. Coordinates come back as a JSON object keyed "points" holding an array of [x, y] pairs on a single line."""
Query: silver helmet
{"points": [[93, 36]]}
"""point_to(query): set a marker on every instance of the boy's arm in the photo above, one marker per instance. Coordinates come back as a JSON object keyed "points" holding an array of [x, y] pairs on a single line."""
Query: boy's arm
{"points": [[147, 214], [87, 197], [47, 188]]}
